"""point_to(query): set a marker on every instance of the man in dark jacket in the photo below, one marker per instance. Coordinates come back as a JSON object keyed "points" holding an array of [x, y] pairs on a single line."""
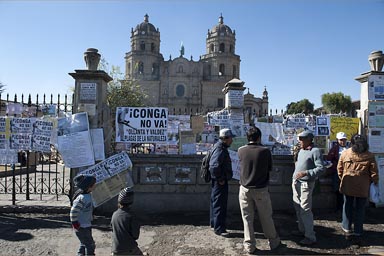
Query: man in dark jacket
{"points": [[220, 166], [255, 165]]}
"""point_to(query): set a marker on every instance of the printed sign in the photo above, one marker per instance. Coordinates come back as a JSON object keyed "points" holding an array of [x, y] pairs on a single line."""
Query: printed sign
{"points": [[141, 125]]}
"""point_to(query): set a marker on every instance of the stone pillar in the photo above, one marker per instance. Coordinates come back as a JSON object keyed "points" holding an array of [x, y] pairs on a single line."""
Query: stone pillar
{"points": [[91, 94], [368, 81], [234, 102], [376, 60]]}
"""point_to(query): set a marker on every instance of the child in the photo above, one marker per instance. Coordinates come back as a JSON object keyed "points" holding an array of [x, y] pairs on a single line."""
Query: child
{"points": [[82, 213], [125, 229]]}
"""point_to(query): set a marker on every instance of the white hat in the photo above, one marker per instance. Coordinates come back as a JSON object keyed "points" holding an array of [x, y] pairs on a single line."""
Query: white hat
{"points": [[341, 135], [226, 133]]}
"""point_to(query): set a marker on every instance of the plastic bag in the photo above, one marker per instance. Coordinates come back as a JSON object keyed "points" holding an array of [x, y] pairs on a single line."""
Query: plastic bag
{"points": [[374, 193]]}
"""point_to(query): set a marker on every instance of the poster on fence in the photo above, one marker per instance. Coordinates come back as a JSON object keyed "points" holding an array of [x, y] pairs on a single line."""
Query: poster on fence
{"points": [[41, 137], [348, 125], [74, 141], [141, 125], [112, 175], [109, 167], [219, 118]]}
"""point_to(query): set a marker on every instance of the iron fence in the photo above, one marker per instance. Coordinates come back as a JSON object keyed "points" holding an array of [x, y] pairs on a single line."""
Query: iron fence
{"points": [[36, 172]]}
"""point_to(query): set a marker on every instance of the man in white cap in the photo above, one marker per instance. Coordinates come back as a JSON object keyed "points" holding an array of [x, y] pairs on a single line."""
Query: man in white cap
{"points": [[220, 167], [308, 167], [333, 156]]}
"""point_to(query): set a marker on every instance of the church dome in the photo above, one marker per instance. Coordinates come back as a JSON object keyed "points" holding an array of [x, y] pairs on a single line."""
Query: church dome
{"points": [[221, 28], [145, 26]]}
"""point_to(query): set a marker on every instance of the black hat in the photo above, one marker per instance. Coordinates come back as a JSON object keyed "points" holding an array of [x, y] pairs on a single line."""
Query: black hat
{"points": [[84, 181], [126, 196]]}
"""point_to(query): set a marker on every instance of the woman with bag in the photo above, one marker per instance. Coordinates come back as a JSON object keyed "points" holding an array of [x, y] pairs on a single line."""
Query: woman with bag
{"points": [[357, 168]]}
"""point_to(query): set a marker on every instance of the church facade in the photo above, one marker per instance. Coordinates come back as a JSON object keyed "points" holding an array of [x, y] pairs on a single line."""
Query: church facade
{"points": [[186, 86]]}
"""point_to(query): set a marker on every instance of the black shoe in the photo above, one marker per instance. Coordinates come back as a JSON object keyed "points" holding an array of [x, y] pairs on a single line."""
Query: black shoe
{"points": [[223, 234]]}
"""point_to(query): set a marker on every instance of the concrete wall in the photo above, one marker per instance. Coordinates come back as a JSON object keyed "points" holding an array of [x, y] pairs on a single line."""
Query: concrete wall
{"points": [[171, 183]]}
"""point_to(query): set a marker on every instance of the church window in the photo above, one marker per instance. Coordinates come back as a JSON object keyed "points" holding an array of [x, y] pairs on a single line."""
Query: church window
{"points": [[222, 47], [141, 67], [220, 103], [180, 90], [142, 45], [221, 69], [234, 71], [155, 69], [231, 49], [180, 69], [152, 47], [211, 48]]}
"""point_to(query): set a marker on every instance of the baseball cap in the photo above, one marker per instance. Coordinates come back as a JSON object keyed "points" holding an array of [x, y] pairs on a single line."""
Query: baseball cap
{"points": [[226, 133], [306, 133], [341, 135]]}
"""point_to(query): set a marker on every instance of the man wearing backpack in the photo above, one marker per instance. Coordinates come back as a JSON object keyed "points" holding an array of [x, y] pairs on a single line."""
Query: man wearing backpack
{"points": [[220, 167]]}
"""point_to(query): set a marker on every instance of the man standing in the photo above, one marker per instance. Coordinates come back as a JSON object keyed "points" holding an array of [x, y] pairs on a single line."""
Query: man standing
{"points": [[220, 166], [308, 168], [255, 165]]}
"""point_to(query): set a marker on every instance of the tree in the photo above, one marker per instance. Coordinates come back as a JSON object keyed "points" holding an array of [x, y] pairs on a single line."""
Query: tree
{"points": [[335, 103], [2, 87], [121, 93], [302, 106]]}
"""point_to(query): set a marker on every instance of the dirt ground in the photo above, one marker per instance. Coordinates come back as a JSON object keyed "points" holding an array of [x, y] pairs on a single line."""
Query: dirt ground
{"points": [[48, 232]]}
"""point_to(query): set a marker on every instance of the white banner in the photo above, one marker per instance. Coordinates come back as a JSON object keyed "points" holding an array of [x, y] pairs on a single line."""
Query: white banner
{"points": [[141, 125]]}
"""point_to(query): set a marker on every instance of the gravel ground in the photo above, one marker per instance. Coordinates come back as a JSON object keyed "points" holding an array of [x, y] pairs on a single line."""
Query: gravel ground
{"points": [[47, 232]]}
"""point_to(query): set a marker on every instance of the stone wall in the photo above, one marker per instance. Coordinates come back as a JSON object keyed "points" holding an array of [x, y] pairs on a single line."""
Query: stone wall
{"points": [[171, 183]]}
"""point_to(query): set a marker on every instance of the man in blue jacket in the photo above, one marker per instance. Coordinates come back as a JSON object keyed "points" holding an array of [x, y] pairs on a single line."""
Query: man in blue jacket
{"points": [[220, 166], [308, 168]]}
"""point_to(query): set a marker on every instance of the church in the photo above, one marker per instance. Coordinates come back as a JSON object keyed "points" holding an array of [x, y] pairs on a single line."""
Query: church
{"points": [[186, 86]]}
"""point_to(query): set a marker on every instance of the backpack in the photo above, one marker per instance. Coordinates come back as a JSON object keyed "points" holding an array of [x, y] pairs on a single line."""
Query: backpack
{"points": [[205, 174]]}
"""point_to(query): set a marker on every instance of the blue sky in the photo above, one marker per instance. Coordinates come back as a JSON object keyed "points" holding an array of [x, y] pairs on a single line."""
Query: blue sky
{"points": [[297, 49]]}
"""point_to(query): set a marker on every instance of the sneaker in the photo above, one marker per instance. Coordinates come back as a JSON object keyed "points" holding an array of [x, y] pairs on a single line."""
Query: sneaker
{"points": [[348, 231], [306, 241], [223, 234]]}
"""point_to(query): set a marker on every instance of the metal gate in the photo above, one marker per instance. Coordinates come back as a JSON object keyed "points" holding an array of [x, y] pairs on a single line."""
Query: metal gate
{"points": [[36, 172]]}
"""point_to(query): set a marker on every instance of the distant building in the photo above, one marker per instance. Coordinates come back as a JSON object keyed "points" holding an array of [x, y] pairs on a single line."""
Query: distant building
{"points": [[186, 86]]}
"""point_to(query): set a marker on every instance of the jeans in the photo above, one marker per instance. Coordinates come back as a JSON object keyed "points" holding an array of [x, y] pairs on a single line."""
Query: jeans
{"points": [[302, 201], [218, 209], [354, 212], [87, 244], [250, 200]]}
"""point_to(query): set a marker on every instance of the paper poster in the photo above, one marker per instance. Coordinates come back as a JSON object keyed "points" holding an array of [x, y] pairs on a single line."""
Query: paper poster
{"points": [[376, 87], [376, 140], [322, 126], [235, 164], [219, 118], [376, 114], [109, 167], [41, 137], [234, 98], [97, 137], [74, 141], [296, 121], [348, 125], [141, 125]]}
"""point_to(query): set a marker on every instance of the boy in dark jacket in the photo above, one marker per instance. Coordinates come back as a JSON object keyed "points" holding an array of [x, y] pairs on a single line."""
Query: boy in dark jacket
{"points": [[125, 229]]}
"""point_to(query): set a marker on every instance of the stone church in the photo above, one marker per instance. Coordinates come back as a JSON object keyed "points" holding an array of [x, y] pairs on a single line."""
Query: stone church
{"points": [[186, 86]]}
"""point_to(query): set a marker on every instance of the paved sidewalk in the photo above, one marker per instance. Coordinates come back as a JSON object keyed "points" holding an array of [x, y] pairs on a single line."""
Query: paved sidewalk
{"points": [[38, 224]]}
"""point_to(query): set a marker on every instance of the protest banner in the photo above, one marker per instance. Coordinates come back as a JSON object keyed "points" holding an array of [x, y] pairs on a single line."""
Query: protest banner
{"points": [[141, 125]]}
